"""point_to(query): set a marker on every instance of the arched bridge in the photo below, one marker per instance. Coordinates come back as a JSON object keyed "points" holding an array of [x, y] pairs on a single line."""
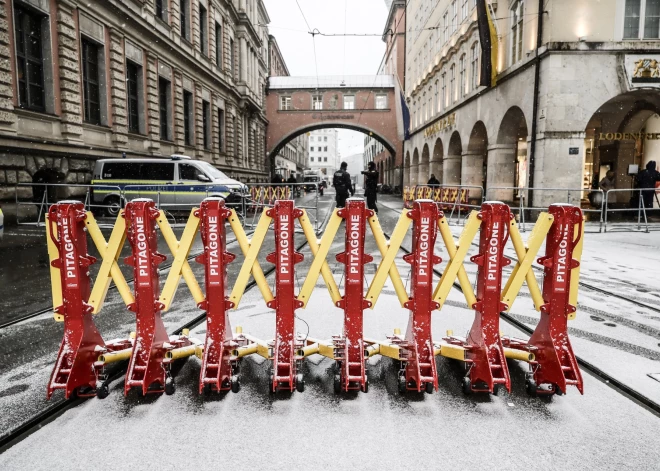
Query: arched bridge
{"points": [[366, 103]]}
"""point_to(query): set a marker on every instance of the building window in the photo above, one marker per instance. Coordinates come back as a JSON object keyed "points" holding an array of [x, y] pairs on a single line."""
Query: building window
{"points": [[465, 9], [133, 96], [311, 149], [445, 24], [185, 19], [633, 27], [161, 9], [317, 102], [325, 138], [452, 83], [29, 60], [232, 58], [454, 15], [285, 103], [325, 149], [381, 102], [188, 118], [517, 16], [311, 159], [474, 65], [463, 76], [349, 102], [443, 92], [91, 85], [203, 30], [218, 45], [206, 124], [164, 107], [221, 130], [325, 159]]}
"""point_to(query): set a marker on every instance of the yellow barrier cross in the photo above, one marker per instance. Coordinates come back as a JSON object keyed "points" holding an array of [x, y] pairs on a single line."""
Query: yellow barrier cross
{"points": [[522, 271], [250, 250], [389, 255], [109, 270], [180, 251], [319, 264], [457, 255]]}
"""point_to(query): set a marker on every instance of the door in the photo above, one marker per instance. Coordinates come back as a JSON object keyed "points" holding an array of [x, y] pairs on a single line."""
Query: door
{"points": [[190, 189]]}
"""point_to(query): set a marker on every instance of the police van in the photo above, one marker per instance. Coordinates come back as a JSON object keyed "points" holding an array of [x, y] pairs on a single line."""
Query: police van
{"points": [[175, 183]]}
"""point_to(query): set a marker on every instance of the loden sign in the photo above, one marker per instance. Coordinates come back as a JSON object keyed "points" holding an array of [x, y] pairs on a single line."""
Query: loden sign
{"points": [[628, 136], [441, 125]]}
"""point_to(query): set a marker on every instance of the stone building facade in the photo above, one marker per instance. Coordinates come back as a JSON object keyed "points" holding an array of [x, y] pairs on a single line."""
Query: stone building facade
{"points": [[568, 106], [83, 80]]}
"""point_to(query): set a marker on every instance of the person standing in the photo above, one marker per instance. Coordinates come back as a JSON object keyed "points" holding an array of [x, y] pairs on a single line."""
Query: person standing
{"points": [[607, 183], [341, 180], [433, 180], [292, 180], [646, 179], [371, 185]]}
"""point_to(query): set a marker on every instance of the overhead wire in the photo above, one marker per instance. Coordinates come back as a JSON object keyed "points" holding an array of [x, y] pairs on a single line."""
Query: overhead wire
{"points": [[316, 65]]}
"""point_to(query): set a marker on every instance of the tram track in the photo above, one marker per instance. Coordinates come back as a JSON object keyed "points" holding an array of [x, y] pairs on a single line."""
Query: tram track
{"points": [[58, 408], [619, 386]]}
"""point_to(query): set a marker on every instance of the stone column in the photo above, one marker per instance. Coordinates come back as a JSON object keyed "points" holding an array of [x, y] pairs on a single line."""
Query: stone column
{"points": [[472, 172], [118, 89], [175, 14], [424, 172], [229, 133], [153, 111], [198, 113], [179, 132], [561, 169], [501, 171], [194, 25], [651, 146], [69, 68], [451, 170], [436, 169], [7, 116], [242, 63], [211, 28], [414, 175]]}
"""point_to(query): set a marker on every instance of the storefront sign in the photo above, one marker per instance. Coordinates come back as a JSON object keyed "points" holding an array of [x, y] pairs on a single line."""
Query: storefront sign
{"points": [[441, 125], [643, 70], [573, 151], [629, 136]]}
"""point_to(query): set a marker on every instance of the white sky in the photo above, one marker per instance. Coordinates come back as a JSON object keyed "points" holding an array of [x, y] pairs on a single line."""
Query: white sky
{"points": [[335, 55]]}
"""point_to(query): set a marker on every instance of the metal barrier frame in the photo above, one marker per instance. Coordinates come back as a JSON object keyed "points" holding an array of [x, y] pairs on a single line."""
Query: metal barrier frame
{"points": [[457, 205], [261, 203], [641, 208]]}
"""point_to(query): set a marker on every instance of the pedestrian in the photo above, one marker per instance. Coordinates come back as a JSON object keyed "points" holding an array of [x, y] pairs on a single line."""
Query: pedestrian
{"points": [[293, 181], [433, 180], [277, 178], [342, 183], [646, 179], [607, 183], [371, 185]]}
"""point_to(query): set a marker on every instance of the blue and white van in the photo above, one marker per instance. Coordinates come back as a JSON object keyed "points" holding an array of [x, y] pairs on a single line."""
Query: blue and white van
{"points": [[175, 183]]}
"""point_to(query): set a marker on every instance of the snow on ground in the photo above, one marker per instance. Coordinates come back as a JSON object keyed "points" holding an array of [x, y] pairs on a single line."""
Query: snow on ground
{"points": [[316, 429]]}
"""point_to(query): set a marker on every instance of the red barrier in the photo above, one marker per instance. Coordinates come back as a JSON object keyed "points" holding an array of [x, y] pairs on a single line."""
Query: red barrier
{"points": [[556, 363], [74, 368], [418, 372], [217, 369], [350, 346], [484, 350], [146, 368], [284, 375]]}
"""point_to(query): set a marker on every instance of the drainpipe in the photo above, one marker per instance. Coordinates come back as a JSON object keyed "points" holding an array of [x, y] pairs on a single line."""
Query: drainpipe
{"points": [[535, 110], [405, 45]]}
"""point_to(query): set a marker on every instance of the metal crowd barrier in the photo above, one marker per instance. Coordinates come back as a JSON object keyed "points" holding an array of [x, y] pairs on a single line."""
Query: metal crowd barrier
{"points": [[83, 358], [264, 195], [641, 209], [457, 199]]}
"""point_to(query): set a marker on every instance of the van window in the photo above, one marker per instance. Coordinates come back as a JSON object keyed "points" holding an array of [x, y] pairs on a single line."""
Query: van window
{"points": [[189, 172], [121, 171], [157, 171]]}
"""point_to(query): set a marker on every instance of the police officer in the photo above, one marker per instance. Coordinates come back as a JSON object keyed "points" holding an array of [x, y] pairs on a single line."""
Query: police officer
{"points": [[371, 185], [342, 183]]}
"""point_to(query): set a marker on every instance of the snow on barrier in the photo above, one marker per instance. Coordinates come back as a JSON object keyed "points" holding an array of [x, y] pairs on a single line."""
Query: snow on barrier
{"points": [[83, 356]]}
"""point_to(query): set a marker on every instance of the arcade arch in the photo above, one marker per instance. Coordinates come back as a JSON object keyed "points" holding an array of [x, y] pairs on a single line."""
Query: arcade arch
{"points": [[424, 166], [508, 157], [451, 165]]}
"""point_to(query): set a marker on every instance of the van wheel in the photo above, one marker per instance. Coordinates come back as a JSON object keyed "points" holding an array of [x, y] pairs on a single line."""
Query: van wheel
{"points": [[112, 206]]}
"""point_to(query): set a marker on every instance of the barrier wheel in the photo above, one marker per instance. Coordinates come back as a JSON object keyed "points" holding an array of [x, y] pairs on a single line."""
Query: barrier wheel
{"points": [[235, 384], [467, 386], [271, 382], [337, 384], [496, 389], [402, 384], [530, 387], [429, 388], [300, 383], [366, 385], [208, 388], [102, 391], [169, 387], [558, 391]]}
